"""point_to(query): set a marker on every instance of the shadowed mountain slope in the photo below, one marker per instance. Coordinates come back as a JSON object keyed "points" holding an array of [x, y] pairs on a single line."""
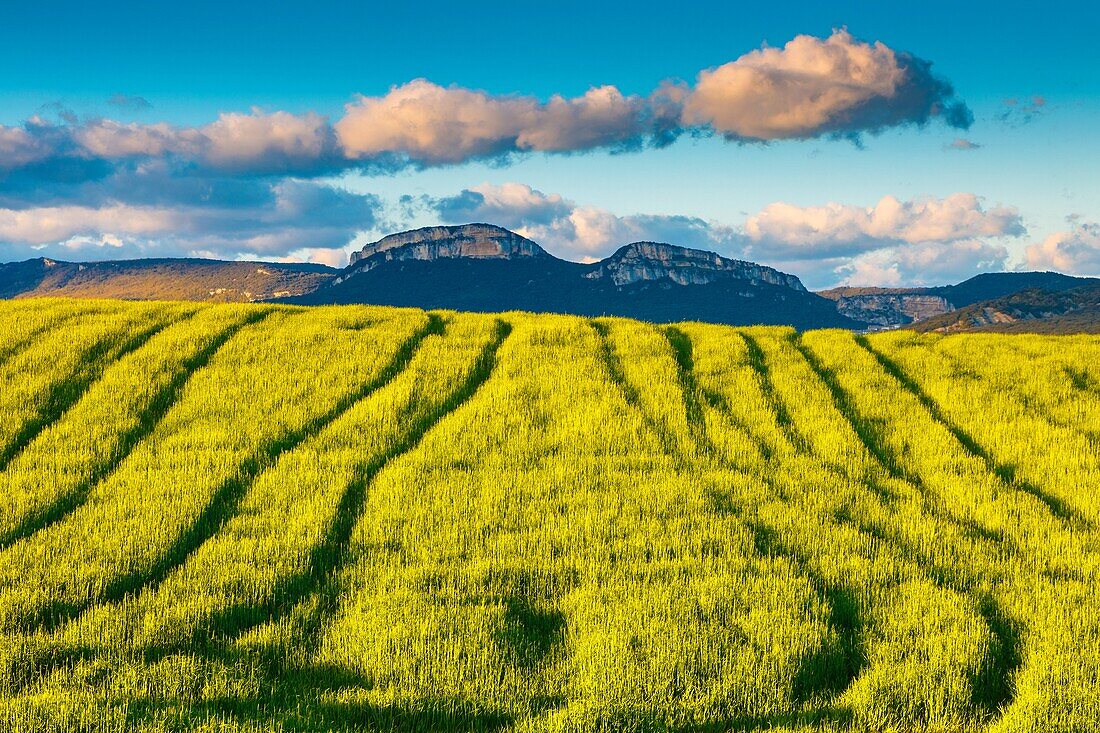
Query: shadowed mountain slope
{"points": [[161, 279], [480, 267]]}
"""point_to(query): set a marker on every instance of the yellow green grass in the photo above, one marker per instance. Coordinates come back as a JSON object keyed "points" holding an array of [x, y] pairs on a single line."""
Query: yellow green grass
{"points": [[252, 518]]}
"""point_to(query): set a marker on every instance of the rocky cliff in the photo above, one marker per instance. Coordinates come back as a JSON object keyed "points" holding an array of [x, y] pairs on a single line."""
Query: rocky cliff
{"points": [[649, 261], [479, 267], [892, 309], [478, 241]]}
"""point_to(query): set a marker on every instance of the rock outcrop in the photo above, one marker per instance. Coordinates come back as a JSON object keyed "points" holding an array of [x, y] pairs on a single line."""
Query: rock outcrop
{"points": [[477, 241], [654, 261], [892, 309]]}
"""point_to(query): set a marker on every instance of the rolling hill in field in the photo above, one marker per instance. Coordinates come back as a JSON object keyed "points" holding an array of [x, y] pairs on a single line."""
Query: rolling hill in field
{"points": [[256, 517]]}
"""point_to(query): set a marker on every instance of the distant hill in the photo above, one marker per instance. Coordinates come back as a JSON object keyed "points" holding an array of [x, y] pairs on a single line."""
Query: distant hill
{"points": [[891, 307], [1035, 310], [161, 279], [992, 285], [481, 267]]}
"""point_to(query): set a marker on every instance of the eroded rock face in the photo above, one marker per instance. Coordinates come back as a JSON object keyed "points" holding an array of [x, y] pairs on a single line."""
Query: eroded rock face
{"points": [[656, 261], [896, 309], [479, 241]]}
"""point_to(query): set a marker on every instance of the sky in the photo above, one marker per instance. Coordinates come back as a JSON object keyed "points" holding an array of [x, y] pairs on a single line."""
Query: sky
{"points": [[847, 143]]}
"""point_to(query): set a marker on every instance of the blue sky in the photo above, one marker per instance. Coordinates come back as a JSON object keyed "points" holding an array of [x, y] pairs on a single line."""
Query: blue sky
{"points": [[186, 66]]}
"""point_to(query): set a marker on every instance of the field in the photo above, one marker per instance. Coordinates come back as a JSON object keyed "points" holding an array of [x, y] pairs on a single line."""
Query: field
{"points": [[252, 518]]}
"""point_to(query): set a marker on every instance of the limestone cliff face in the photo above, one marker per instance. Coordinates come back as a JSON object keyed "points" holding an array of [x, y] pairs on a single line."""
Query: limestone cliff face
{"points": [[892, 309], [478, 241], [642, 261]]}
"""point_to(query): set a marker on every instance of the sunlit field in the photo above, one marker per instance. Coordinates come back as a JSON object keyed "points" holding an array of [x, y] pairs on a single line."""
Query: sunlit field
{"points": [[253, 518]]}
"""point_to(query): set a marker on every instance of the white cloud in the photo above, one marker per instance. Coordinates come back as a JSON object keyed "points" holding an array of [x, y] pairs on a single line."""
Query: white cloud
{"points": [[832, 230], [18, 147], [811, 87], [281, 219], [922, 241], [432, 124], [57, 223], [1076, 252], [281, 139], [925, 263], [816, 86]]}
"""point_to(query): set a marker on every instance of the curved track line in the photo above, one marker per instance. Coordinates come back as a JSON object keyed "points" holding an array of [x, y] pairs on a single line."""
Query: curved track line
{"points": [[332, 554], [998, 692], [1005, 472], [617, 376], [226, 499], [64, 395], [147, 422]]}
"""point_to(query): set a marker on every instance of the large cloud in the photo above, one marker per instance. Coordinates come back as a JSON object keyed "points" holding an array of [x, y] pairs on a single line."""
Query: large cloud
{"points": [[429, 124], [1076, 251], [835, 229], [814, 86], [261, 219], [837, 86]]}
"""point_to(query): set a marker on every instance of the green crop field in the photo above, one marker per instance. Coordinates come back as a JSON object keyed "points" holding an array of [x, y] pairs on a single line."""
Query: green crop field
{"points": [[253, 518]]}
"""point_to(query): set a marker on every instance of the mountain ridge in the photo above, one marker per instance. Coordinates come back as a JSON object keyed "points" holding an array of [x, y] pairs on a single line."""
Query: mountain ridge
{"points": [[893, 307], [484, 267], [1034, 310]]}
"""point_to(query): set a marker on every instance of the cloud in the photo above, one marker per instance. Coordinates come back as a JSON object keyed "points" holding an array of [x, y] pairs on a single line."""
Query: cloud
{"points": [[833, 87], [962, 144], [432, 125], [509, 205], [58, 223], [1076, 251], [813, 87], [569, 230], [926, 263], [255, 143], [129, 103], [833, 230], [19, 147], [288, 218]]}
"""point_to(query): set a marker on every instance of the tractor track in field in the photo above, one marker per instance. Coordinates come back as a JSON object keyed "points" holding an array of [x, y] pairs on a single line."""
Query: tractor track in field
{"points": [[995, 686], [1028, 402], [331, 555], [1005, 472], [843, 610], [63, 395], [612, 364], [226, 499], [998, 688], [12, 350], [147, 421]]}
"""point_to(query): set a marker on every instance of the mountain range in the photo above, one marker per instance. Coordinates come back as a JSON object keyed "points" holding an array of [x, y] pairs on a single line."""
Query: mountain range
{"points": [[482, 267]]}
